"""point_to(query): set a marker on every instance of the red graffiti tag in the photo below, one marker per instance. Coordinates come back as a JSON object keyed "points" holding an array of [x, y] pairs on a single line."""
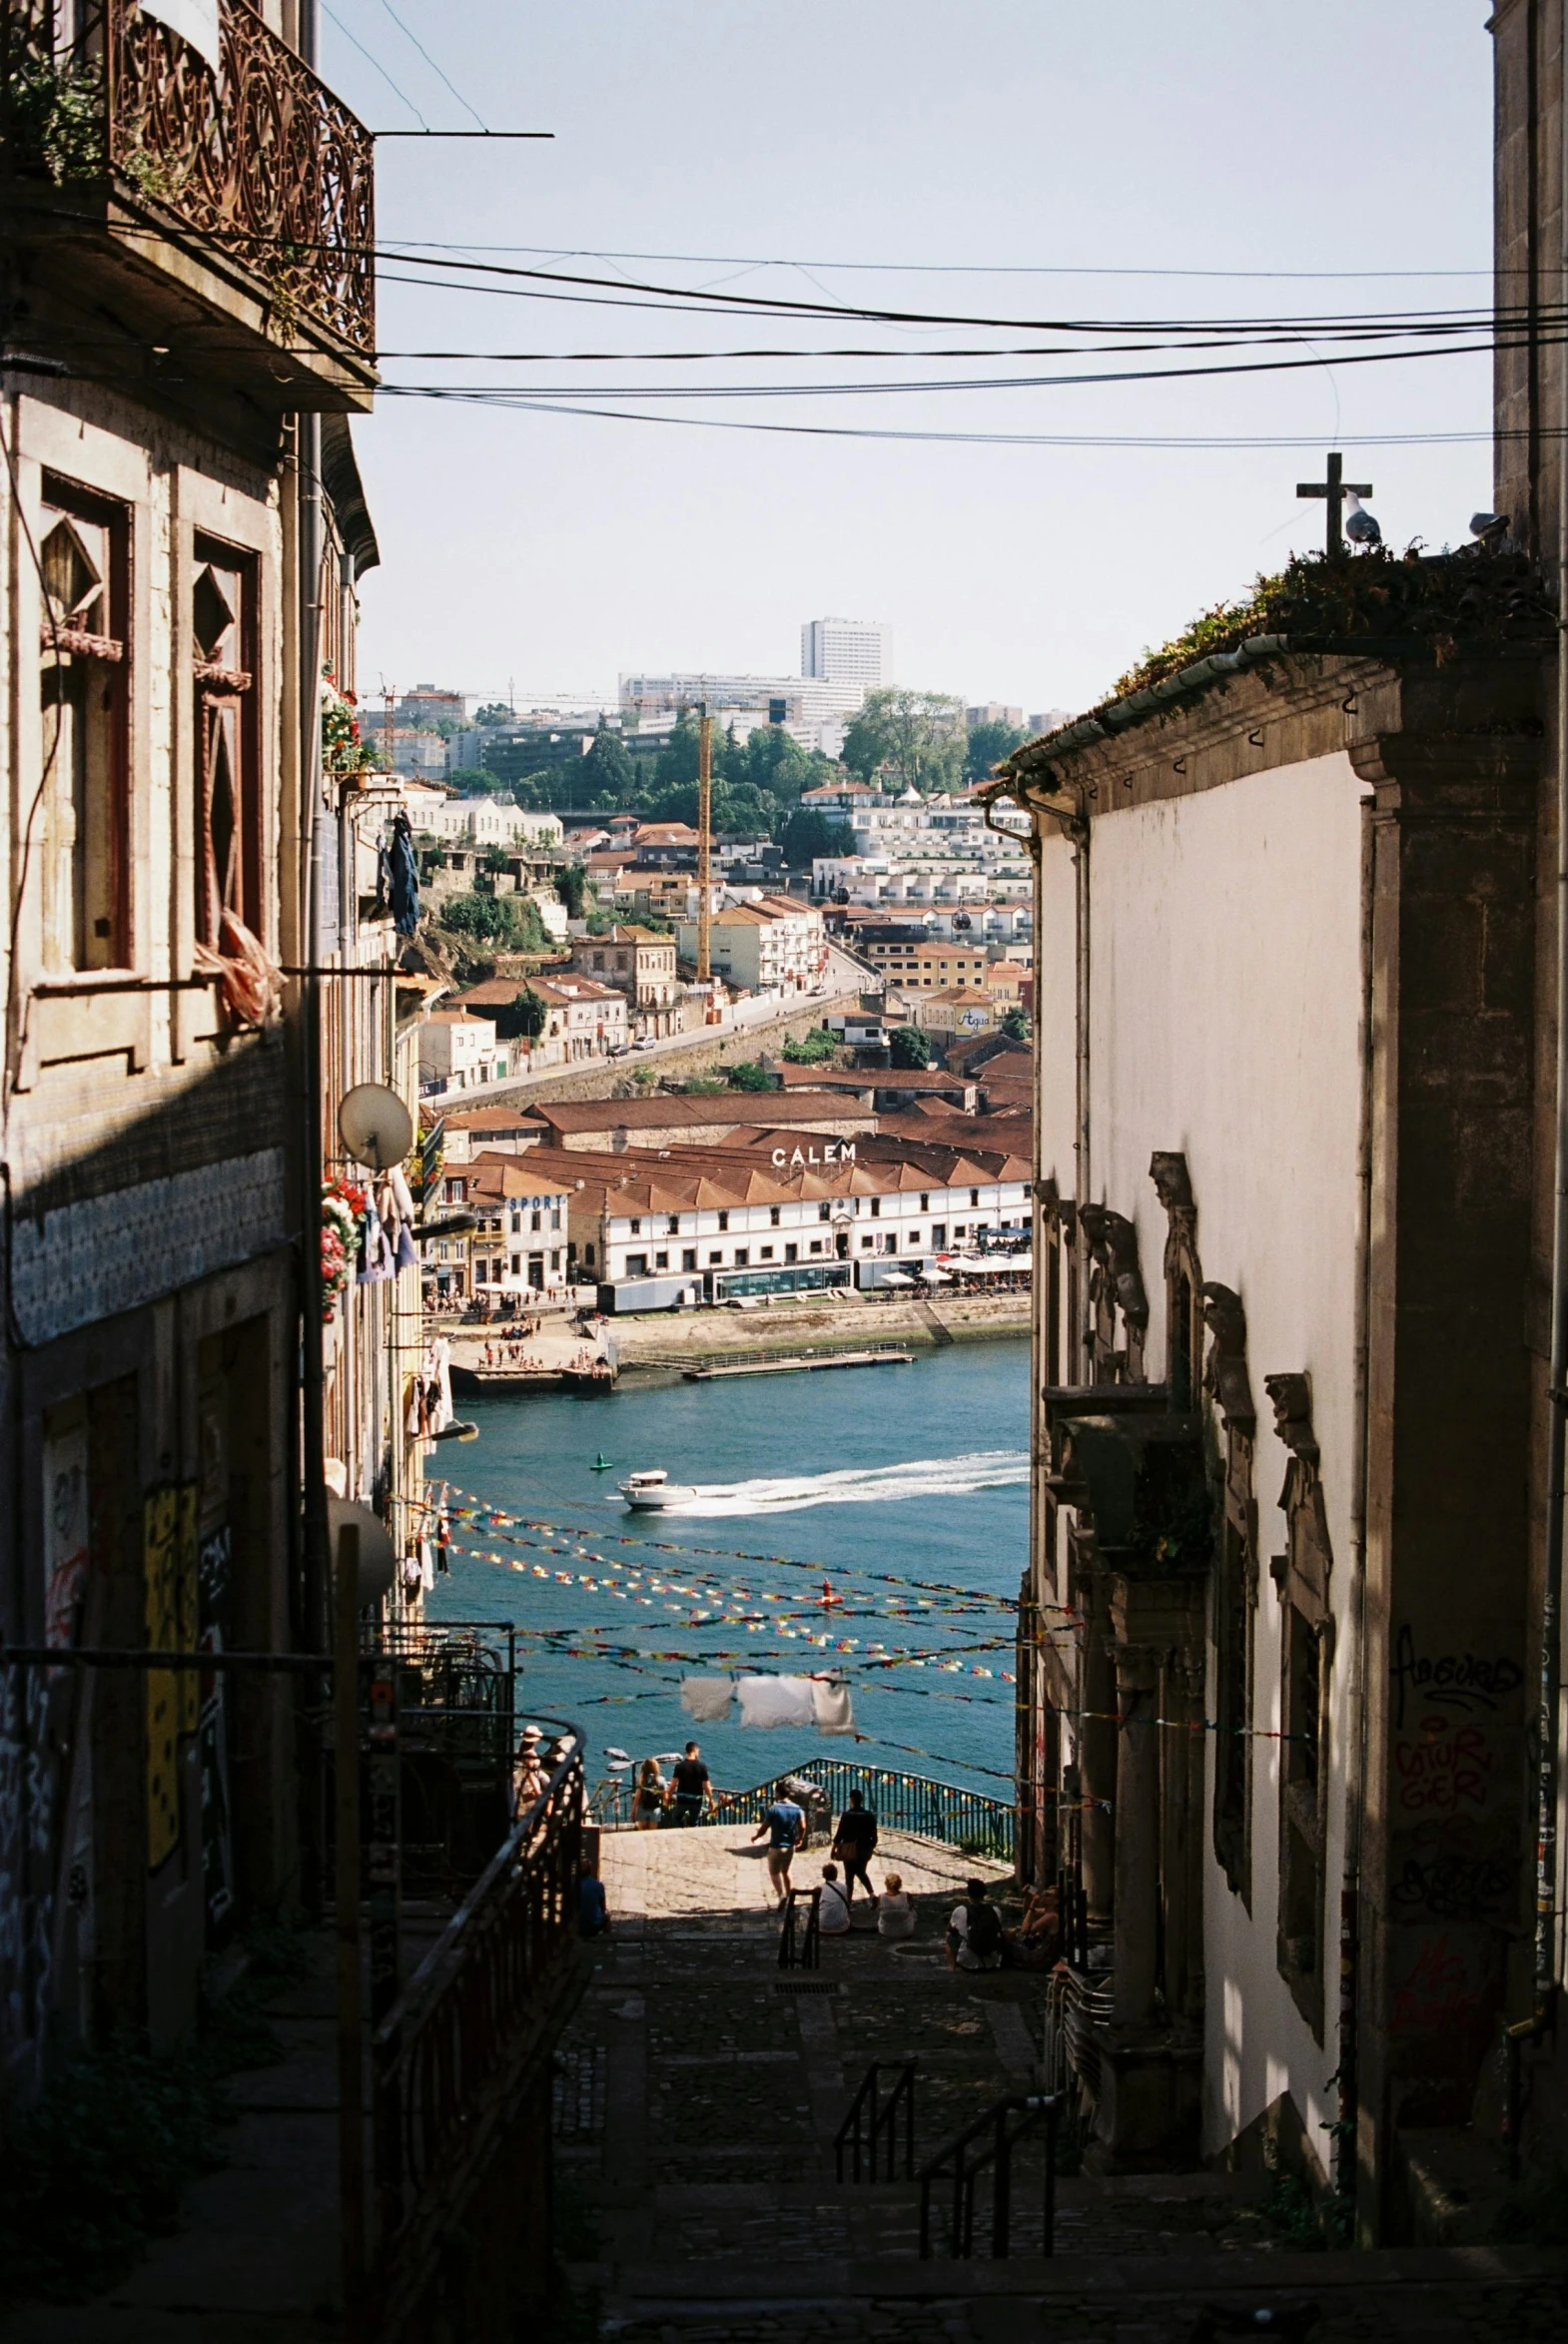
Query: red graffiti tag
{"points": [[1447, 1768]]}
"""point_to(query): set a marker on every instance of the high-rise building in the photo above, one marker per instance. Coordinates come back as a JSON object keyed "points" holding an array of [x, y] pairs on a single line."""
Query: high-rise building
{"points": [[847, 651]]}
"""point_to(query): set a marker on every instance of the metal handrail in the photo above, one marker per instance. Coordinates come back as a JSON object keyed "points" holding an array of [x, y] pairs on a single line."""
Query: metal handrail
{"points": [[449, 2058], [914, 1804], [260, 158], [883, 2121], [953, 2162], [808, 1954]]}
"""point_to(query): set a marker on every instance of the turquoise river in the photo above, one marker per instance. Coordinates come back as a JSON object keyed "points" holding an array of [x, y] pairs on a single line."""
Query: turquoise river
{"points": [[868, 1522]]}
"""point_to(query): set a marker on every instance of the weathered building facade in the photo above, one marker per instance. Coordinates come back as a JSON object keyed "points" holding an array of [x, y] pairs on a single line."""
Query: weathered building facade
{"points": [[176, 318], [1278, 1615]]}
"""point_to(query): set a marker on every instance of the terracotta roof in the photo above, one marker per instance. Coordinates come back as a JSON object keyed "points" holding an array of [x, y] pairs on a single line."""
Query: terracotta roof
{"points": [[566, 990], [706, 1108]]}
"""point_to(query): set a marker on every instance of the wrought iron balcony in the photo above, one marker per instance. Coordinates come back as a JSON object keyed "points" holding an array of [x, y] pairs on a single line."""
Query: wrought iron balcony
{"points": [[241, 198]]}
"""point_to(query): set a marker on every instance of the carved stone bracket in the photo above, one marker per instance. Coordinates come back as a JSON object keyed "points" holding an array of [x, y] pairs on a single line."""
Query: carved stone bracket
{"points": [[1225, 1378]]}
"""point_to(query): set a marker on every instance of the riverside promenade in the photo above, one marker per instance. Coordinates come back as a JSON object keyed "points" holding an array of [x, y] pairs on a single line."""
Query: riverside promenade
{"points": [[700, 2090]]}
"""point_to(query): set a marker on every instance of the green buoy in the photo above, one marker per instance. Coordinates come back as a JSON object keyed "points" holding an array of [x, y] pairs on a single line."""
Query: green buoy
{"points": [[602, 1464]]}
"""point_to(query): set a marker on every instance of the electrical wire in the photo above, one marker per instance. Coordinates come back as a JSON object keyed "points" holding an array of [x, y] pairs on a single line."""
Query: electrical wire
{"points": [[409, 35], [372, 59]]}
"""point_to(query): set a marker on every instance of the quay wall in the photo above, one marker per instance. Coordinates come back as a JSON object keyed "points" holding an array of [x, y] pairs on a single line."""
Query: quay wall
{"points": [[663, 1337], [705, 1052]]}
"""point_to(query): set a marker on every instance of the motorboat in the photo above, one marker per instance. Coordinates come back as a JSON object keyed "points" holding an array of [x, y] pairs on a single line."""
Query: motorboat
{"points": [[654, 1493]]}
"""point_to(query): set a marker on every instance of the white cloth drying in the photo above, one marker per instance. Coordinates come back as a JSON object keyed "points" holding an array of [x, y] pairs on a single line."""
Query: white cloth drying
{"points": [[706, 1699], [776, 1701], [834, 1713]]}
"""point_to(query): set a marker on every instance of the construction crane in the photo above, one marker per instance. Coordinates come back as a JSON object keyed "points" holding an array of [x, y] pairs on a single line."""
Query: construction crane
{"points": [[704, 840]]}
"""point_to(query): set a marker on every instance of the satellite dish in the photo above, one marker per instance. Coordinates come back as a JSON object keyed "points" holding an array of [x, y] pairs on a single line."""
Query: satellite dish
{"points": [[376, 1548], [374, 1125]]}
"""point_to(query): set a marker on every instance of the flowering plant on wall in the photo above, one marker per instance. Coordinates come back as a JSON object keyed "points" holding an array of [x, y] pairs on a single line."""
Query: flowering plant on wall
{"points": [[343, 1210], [345, 755]]}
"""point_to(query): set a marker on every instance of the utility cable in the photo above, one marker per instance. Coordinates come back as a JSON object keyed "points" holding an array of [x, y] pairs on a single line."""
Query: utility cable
{"points": [[409, 35], [372, 59]]}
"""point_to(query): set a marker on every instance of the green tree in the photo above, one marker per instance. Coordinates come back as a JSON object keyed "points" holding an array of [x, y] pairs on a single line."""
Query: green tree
{"points": [[815, 1048], [1016, 1025], [473, 780], [494, 712], [678, 760], [494, 861], [808, 833], [988, 744], [909, 1046], [571, 885], [510, 922], [523, 1018], [607, 773], [915, 738], [748, 1076]]}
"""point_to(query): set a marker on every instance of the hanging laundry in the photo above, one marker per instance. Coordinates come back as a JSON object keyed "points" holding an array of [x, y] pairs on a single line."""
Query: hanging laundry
{"points": [[834, 1711], [776, 1701], [377, 1263], [403, 875], [707, 1698]]}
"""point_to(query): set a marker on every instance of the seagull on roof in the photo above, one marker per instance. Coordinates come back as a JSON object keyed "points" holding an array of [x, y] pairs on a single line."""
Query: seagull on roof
{"points": [[1360, 527]]}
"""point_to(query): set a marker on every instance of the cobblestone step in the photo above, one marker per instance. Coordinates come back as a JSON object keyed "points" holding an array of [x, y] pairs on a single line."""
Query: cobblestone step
{"points": [[1470, 2296]]}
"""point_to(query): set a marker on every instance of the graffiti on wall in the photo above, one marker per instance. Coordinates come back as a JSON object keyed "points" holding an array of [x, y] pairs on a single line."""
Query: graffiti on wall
{"points": [[170, 1564]]}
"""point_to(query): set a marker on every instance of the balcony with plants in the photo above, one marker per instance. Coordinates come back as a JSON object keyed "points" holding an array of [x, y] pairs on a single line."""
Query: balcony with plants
{"points": [[223, 202]]}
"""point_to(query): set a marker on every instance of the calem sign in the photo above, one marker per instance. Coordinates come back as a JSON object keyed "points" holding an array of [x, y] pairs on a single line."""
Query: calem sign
{"points": [[831, 1151]]}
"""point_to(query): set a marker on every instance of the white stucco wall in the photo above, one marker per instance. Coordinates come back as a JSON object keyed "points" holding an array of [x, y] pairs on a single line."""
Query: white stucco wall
{"points": [[1225, 993]]}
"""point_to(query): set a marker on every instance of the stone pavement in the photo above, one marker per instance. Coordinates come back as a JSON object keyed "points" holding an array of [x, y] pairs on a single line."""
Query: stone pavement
{"points": [[700, 2092]]}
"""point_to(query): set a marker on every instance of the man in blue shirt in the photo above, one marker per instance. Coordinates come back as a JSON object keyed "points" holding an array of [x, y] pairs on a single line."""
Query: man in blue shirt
{"points": [[594, 1919], [785, 1828]]}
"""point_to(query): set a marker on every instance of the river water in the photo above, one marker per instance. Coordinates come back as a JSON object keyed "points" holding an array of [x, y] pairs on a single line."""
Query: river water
{"points": [[903, 1490]]}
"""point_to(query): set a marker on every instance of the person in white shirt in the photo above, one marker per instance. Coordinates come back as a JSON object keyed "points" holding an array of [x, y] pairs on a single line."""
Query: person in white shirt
{"points": [[895, 1911], [975, 1932], [833, 1912]]}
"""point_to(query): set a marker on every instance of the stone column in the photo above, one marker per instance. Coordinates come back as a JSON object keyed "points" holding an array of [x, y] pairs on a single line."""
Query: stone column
{"points": [[1137, 1838]]}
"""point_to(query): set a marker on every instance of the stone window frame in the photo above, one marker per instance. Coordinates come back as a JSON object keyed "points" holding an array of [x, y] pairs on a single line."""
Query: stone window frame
{"points": [[228, 726], [103, 655]]}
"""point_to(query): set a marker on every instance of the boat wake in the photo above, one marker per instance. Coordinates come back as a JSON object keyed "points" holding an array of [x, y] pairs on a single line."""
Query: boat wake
{"points": [[862, 1486]]}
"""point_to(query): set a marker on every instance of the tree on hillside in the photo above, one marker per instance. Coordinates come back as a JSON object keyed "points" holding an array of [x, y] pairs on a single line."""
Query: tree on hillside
{"points": [[987, 745], [494, 861], [492, 712], [748, 1076], [808, 833], [909, 1046], [606, 771], [1015, 1025], [510, 920], [915, 738], [571, 885], [472, 781]]}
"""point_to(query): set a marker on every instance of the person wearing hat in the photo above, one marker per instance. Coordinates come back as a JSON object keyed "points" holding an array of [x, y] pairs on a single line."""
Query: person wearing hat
{"points": [[528, 1774]]}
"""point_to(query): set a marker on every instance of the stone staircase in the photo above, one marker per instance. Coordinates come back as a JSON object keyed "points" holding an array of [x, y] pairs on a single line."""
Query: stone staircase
{"points": [[699, 2097]]}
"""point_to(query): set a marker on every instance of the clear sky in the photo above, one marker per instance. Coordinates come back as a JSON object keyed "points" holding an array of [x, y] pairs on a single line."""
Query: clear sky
{"points": [[550, 551]]}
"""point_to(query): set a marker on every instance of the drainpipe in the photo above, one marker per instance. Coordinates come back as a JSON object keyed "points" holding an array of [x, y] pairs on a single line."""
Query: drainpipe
{"points": [[1078, 831], [1344, 2161], [1557, 1376]]}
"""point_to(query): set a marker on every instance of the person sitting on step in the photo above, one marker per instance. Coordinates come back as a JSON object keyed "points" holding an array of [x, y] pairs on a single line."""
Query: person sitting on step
{"points": [[833, 1912]]}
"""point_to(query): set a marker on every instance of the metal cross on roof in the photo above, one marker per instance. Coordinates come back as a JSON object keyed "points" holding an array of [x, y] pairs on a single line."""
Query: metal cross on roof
{"points": [[1335, 488]]}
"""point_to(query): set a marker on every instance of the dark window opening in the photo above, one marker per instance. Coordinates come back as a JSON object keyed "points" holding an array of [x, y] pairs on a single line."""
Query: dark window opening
{"points": [[83, 830]]}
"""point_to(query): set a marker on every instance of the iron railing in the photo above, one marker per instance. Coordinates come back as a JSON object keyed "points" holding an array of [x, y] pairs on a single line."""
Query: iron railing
{"points": [[458, 1732], [915, 1804], [998, 2129], [807, 1953], [259, 156], [872, 2124], [487, 2000]]}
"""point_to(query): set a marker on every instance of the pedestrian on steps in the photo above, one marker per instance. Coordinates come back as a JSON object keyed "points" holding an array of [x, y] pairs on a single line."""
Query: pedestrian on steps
{"points": [[693, 1785], [975, 1932], [647, 1805], [854, 1843], [784, 1828]]}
